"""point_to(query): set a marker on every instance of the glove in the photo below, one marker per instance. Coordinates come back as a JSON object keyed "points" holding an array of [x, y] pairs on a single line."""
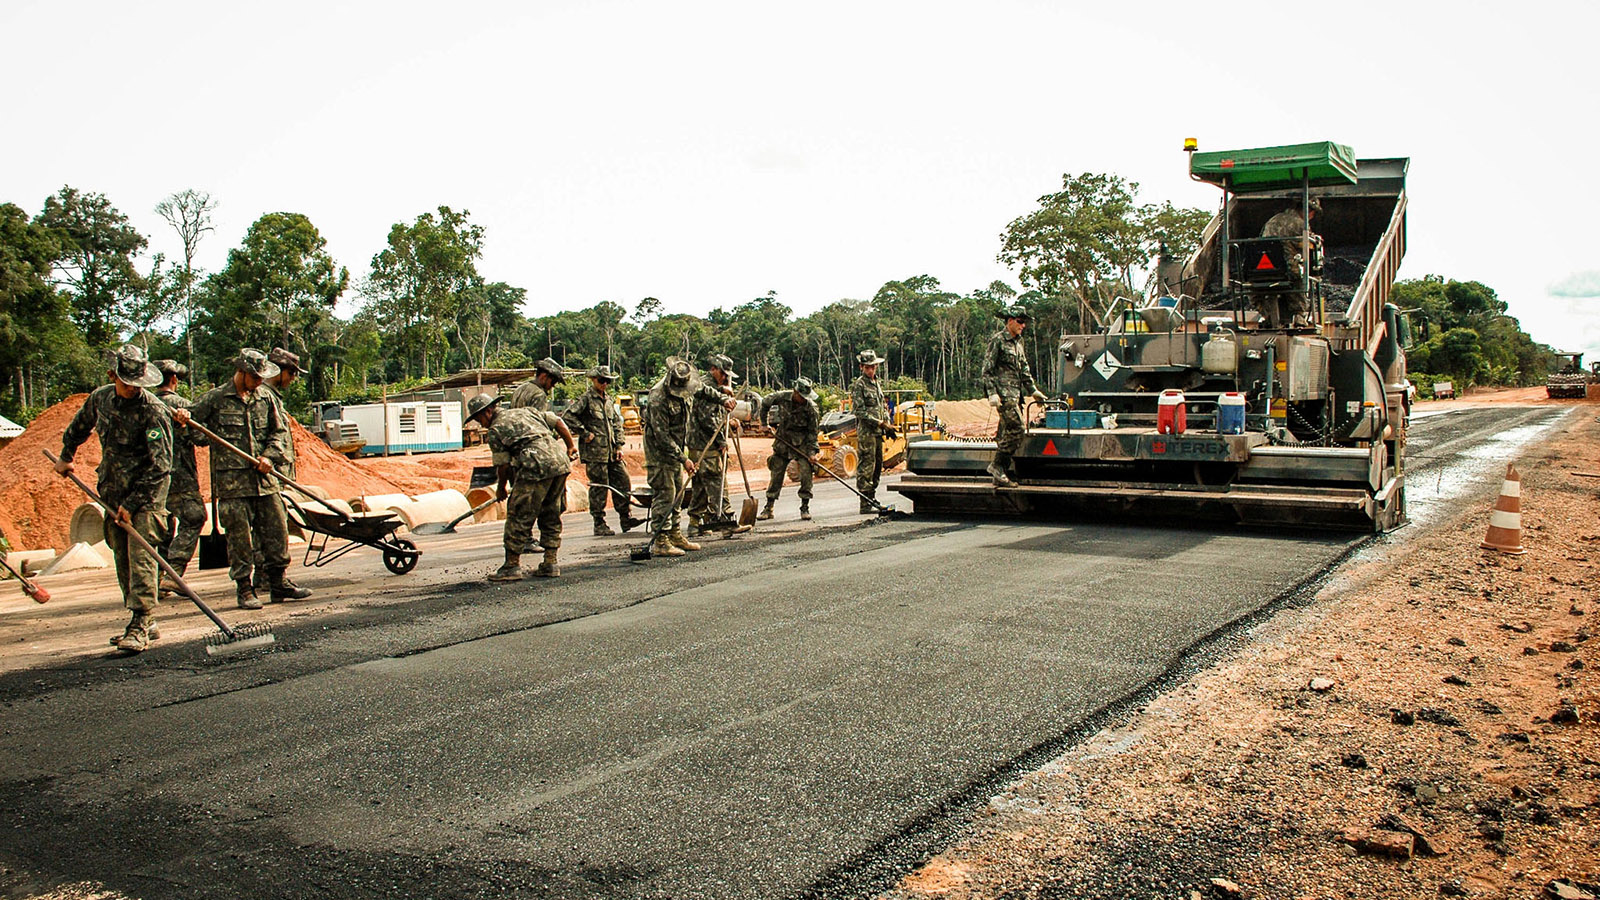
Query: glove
{"points": [[994, 400], [1038, 395]]}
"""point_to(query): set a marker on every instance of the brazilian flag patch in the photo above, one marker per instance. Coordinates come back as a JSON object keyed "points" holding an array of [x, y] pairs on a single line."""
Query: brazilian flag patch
{"points": [[153, 434]]}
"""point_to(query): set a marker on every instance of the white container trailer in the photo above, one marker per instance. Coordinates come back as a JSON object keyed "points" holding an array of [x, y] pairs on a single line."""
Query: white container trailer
{"points": [[413, 427]]}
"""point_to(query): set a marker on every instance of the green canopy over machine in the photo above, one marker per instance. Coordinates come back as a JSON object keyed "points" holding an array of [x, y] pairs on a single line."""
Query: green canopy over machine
{"points": [[1273, 168]]}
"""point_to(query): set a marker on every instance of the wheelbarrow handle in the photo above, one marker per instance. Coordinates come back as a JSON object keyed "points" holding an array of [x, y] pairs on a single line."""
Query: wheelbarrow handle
{"points": [[219, 439]]}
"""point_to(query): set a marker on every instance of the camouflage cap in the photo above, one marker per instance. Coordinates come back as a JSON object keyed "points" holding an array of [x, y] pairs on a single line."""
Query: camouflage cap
{"points": [[478, 405], [283, 359], [1014, 312], [679, 375], [724, 362], [552, 368], [171, 368], [603, 373], [869, 358], [255, 362], [129, 365]]}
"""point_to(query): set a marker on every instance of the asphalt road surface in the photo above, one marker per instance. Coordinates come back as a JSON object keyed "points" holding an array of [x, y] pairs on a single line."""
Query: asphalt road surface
{"points": [[789, 714]]}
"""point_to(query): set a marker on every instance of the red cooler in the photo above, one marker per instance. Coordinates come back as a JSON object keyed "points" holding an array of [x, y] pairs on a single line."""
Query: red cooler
{"points": [[1172, 416]]}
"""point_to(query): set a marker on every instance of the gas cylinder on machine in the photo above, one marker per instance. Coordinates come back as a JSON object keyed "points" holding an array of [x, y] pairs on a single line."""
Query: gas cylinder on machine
{"points": [[1220, 354], [1172, 415]]}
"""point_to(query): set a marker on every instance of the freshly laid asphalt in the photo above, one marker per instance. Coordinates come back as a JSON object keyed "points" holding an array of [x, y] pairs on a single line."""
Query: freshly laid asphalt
{"points": [[771, 717]]}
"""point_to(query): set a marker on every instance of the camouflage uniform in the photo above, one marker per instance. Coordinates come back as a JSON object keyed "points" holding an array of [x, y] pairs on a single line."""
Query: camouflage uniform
{"points": [[135, 470], [666, 430], [596, 423], [183, 497], [1282, 309], [1006, 376], [866, 402], [529, 396], [248, 506], [708, 489], [795, 423], [527, 441]]}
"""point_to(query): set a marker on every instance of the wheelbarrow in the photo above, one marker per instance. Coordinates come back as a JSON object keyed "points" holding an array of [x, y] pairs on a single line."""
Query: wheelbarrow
{"points": [[374, 529]]}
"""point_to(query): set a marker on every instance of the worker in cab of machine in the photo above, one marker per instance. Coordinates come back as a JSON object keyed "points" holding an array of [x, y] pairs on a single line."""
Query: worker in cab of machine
{"points": [[708, 421], [527, 454], [794, 418], [243, 412], [1008, 380], [135, 467], [873, 423], [184, 503], [596, 420], [535, 394], [1290, 309]]}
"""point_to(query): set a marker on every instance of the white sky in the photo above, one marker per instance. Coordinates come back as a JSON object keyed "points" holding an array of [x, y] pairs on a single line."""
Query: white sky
{"points": [[705, 153]]}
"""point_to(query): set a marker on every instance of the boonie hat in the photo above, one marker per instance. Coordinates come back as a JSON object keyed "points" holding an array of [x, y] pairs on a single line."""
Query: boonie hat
{"points": [[552, 368], [477, 405], [601, 372], [724, 362], [255, 362], [804, 387], [869, 358], [1014, 312], [679, 374], [283, 359], [131, 367], [171, 367]]}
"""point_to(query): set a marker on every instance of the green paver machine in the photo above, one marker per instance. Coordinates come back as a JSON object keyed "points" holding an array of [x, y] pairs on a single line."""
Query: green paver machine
{"points": [[1263, 381]]}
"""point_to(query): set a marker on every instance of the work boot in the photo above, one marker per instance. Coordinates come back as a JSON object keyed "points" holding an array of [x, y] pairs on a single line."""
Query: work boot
{"points": [[629, 523], [805, 510], [676, 539], [169, 587], [663, 547], [246, 594], [284, 589], [867, 508], [548, 568], [137, 637], [1001, 479], [510, 570], [766, 511], [601, 529]]}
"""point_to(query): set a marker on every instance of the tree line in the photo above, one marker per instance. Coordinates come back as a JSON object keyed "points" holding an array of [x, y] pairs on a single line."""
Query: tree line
{"points": [[75, 280]]}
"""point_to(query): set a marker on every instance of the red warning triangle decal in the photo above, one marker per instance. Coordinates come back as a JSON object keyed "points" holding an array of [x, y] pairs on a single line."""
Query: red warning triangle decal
{"points": [[1265, 263], [1050, 448]]}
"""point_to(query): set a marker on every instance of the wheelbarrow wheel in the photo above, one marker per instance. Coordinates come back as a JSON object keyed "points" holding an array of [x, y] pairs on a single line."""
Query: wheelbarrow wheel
{"points": [[398, 562]]}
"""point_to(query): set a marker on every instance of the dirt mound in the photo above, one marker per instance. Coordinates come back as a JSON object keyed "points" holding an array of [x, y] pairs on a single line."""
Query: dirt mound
{"points": [[36, 504]]}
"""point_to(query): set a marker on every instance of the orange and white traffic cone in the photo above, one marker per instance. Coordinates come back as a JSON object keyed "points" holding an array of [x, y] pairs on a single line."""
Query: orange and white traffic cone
{"points": [[1505, 522]]}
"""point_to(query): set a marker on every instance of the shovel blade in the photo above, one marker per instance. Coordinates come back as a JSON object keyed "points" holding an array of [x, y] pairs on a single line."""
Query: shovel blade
{"points": [[747, 512], [434, 528]]}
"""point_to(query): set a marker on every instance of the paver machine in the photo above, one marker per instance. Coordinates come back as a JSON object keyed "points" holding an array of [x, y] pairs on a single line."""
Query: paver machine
{"points": [[1263, 382]]}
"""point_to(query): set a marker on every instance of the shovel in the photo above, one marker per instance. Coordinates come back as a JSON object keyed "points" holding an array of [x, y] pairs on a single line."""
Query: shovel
{"points": [[882, 510], [641, 554], [747, 509], [232, 640], [436, 528]]}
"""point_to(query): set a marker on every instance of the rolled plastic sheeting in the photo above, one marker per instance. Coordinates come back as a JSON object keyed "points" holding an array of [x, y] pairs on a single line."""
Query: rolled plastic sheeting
{"points": [[87, 525], [374, 502], [494, 513], [437, 506]]}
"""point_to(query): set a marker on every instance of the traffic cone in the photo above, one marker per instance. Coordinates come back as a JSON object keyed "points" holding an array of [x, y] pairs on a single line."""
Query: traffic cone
{"points": [[1505, 522]]}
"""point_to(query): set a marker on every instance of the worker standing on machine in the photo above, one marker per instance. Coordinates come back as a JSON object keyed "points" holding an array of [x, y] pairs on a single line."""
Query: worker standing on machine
{"points": [[1008, 380]]}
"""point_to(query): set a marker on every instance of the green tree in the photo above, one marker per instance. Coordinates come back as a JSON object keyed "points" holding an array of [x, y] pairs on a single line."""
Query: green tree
{"points": [[276, 288], [189, 213], [39, 343], [95, 265], [1079, 240], [417, 281]]}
